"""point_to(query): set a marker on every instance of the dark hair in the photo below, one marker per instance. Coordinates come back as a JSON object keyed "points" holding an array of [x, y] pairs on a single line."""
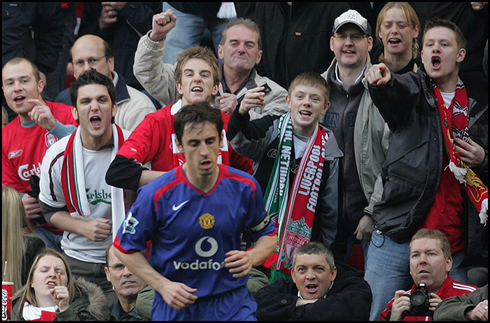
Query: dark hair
{"points": [[18, 60], [195, 114], [92, 77], [107, 252], [437, 22], [250, 24]]}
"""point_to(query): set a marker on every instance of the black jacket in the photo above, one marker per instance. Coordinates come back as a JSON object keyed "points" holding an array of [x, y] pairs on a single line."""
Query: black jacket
{"points": [[414, 161], [45, 20], [134, 21], [349, 299], [476, 233], [296, 40]]}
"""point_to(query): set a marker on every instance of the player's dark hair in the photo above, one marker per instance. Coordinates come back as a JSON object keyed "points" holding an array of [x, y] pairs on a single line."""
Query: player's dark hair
{"points": [[195, 114], [92, 77]]}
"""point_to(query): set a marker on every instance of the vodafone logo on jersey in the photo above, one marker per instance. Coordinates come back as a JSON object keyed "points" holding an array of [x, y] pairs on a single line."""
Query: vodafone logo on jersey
{"points": [[25, 171], [15, 154], [205, 247], [49, 139]]}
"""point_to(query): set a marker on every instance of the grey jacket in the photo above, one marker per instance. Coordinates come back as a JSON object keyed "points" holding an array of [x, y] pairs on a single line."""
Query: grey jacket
{"points": [[454, 308], [157, 78], [371, 141]]}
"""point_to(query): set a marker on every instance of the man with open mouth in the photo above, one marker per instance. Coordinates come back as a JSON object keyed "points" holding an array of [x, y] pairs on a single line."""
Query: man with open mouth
{"points": [[432, 163], [320, 290], [74, 196], [25, 139], [194, 216], [151, 150]]}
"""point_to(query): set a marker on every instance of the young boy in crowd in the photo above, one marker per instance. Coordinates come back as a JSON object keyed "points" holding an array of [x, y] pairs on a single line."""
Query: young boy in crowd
{"points": [[295, 160]]}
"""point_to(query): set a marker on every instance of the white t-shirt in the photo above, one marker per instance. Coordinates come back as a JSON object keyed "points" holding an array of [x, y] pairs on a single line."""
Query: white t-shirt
{"points": [[95, 165]]}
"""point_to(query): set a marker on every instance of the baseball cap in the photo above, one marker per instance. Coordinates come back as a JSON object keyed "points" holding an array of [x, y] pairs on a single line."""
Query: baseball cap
{"points": [[352, 17]]}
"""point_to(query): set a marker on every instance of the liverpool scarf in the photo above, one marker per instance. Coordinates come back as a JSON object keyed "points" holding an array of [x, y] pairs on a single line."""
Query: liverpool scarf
{"points": [[454, 122], [73, 179], [293, 211]]}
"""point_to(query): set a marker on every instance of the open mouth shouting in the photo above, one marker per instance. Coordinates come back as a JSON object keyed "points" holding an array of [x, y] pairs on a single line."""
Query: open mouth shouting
{"points": [[435, 62], [197, 89], [95, 121], [312, 288]]}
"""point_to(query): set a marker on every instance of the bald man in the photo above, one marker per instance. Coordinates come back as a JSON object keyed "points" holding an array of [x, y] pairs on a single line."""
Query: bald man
{"points": [[91, 51]]}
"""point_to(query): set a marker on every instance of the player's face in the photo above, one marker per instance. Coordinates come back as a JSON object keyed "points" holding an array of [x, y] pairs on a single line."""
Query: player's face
{"points": [[240, 52], [197, 82], [19, 85], [94, 112], [312, 275], [124, 282], [200, 146], [428, 264], [45, 276], [306, 103], [440, 54]]}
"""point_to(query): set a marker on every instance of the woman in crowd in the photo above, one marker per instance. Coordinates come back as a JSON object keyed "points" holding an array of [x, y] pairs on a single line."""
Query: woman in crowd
{"points": [[398, 28], [51, 293], [18, 249]]}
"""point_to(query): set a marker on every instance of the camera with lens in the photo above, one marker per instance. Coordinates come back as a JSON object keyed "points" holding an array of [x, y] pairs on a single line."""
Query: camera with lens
{"points": [[419, 302]]}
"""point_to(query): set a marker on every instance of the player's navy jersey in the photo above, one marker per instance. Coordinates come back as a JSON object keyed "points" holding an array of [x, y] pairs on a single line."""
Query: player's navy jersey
{"points": [[191, 231]]}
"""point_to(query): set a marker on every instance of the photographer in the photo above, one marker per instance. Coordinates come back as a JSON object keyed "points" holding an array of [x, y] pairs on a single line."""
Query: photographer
{"points": [[430, 263]]}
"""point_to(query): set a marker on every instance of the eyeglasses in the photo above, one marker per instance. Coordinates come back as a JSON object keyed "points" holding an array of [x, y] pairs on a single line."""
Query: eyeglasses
{"points": [[355, 38], [118, 267], [91, 61]]}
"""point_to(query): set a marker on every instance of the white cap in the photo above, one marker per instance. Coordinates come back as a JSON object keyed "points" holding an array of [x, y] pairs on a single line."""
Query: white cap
{"points": [[352, 17]]}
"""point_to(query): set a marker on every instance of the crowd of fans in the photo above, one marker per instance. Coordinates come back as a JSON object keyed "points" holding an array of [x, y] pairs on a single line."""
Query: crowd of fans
{"points": [[222, 161]]}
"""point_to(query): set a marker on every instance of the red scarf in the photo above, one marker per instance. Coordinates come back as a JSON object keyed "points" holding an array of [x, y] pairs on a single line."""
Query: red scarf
{"points": [[71, 189], [455, 125], [293, 211]]}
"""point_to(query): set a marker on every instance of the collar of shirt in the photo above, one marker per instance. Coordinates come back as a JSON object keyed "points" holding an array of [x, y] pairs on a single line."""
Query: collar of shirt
{"points": [[109, 144], [249, 82], [358, 79]]}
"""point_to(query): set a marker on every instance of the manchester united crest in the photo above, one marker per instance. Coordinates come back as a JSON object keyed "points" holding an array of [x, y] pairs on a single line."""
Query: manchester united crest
{"points": [[206, 221]]}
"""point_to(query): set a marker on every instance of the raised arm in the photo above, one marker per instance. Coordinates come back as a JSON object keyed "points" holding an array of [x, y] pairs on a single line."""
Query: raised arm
{"points": [[149, 69]]}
